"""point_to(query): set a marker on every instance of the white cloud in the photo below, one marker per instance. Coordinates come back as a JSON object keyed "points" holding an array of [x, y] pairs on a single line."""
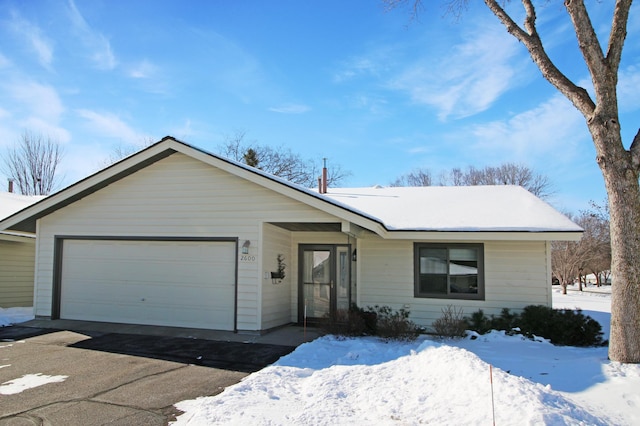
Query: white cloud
{"points": [[553, 129], [144, 69], [372, 103], [40, 100], [34, 37], [84, 159], [468, 79], [111, 125], [4, 62], [46, 128], [291, 109], [34, 107], [356, 67], [183, 132], [101, 52], [629, 88]]}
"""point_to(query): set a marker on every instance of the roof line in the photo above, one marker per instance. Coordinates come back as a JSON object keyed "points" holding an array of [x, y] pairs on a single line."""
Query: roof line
{"points": [[26, 225]]}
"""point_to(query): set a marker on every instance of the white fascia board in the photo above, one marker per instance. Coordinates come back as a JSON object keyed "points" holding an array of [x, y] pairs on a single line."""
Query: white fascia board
{"points": [[17, 237], [484, 236]]}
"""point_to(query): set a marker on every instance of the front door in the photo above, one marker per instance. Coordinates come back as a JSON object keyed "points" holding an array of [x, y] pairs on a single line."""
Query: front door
{"points": [[325, 277]]}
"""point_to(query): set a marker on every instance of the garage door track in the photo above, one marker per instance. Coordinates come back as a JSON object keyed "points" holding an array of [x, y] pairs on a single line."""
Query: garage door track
{"points": [[95, 378]]}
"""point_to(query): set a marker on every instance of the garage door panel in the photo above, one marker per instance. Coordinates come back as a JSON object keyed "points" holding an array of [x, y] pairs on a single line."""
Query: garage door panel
{"points": [[188, 284]]}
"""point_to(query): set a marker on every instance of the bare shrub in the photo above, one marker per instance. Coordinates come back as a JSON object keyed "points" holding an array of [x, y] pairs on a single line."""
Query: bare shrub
{"points": [[345, 322], [394, 325], [451, 323]]}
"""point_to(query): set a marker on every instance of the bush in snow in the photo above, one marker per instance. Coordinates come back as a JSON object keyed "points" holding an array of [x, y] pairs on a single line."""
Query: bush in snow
{"points": [[394, 325], [560, 326], [379, 321], [479, 322], [346, 323], [451, 323]]}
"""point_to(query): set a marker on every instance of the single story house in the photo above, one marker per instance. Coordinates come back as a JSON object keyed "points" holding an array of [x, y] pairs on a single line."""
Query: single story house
{"points": [[17, 255], [177, 236]]}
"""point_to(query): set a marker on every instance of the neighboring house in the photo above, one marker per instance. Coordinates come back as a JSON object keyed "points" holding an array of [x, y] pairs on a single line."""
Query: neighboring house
{"points": [[17, 255], [177, 236]]}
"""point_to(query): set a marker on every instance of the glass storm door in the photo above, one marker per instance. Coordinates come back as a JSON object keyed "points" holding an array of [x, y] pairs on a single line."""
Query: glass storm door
{"points": [[324, 281]]}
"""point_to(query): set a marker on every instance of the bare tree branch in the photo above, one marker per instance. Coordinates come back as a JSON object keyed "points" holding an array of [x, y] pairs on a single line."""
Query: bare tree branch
{"points": [[531, 40], [587, 38], [618, 34], [504, 174], [124, 150], [32, 163], [279, 161]]}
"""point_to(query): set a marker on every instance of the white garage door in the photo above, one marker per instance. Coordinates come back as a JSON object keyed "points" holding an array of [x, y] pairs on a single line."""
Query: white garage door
{"points": [[173, 283]]}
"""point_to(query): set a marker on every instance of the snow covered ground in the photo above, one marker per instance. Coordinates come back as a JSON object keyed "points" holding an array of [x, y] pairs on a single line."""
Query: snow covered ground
{"points": [[458, 382], [10, 316], [508, 379]]}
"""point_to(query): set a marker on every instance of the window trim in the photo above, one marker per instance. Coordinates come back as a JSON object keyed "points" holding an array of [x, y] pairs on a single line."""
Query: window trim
{"points": [[480, 295]]}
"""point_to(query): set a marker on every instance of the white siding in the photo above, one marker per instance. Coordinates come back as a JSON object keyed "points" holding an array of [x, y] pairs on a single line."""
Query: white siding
{"points": [[515, 276], [276, 306], [177, 196], [17, 263]]}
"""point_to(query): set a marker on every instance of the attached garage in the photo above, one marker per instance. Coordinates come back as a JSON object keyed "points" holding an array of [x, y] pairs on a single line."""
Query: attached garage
{"points": [[171, 282]]}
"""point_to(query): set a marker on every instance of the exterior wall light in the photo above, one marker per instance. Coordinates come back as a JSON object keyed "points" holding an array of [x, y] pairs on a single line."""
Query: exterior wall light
{"points": [[245, 247]]}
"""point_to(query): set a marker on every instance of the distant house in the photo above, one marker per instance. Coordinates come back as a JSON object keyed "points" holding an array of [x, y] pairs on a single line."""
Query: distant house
{"points": [[17, 255], [176, 236]]}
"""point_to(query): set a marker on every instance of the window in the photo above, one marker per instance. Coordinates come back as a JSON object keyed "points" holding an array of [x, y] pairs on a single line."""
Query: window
{"points": [[453, 271]]}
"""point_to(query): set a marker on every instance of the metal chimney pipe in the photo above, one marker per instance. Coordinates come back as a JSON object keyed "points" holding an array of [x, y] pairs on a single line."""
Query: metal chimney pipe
{"points": [[319, 185], [10, 184], [324, 177]]}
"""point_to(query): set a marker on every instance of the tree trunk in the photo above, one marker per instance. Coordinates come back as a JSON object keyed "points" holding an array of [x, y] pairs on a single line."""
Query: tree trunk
{"points": [[621, 181], [625, 268], [580, 281]]}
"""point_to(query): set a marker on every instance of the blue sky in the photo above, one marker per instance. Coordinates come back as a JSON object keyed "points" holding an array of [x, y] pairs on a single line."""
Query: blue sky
{"points": [[366, 88]]}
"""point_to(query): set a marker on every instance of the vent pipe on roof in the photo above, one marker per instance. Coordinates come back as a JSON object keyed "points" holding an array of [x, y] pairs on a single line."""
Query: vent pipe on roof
{"points": [[10, 184], [324, 176]]}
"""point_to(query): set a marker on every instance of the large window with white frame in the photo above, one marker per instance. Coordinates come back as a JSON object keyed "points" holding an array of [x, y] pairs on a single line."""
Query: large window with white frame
{"points": [[449, 271]]}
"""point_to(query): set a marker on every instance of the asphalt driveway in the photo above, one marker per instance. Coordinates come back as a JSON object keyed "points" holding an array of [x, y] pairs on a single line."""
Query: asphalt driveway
{"points": [[119, 379]]}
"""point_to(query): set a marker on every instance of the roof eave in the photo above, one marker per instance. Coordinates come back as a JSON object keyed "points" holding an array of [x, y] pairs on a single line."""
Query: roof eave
{"points": [[25, 220], [490, 235], [17, 237]]}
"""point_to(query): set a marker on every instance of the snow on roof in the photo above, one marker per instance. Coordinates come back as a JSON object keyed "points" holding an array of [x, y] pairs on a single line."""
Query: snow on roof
{"points": [[455, 208], [11, 203]]}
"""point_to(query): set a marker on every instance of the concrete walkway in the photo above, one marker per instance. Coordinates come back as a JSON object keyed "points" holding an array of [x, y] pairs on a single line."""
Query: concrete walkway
{"points": [[290, 335]]}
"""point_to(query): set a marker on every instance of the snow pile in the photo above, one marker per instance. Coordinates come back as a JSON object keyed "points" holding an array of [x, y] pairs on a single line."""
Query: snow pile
{"points": [[431, 383], [367, 381], [10, 316]]}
